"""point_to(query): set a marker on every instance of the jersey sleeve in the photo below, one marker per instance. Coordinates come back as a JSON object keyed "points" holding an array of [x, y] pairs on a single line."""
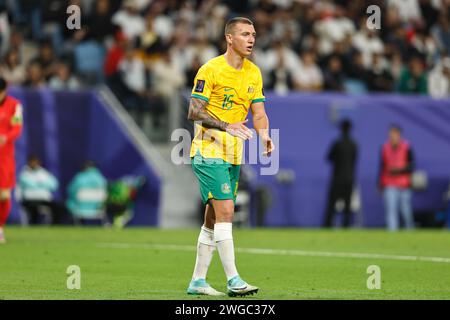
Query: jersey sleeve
{"points": [[259, 91], [203, 84]]}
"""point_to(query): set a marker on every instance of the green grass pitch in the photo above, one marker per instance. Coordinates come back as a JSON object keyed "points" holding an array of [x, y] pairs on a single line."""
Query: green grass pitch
{"points": [[147, 263]]}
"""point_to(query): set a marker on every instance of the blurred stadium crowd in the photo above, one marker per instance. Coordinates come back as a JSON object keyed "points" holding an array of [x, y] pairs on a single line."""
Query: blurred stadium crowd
{"points": [[147, 50]]}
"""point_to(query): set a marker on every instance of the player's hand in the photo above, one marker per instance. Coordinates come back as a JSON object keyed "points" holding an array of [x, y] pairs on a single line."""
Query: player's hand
{"points": [[239, 129], [268, 145], [2, 140]]}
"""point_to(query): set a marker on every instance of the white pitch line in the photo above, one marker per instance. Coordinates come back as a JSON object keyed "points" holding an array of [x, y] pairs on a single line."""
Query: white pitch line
{"points": [[283, 252]]}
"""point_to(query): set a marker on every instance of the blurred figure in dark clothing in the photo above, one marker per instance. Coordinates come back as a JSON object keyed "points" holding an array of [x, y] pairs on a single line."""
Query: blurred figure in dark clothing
{"points": [[334, 75], [342, 155], [379, 77], [100, 25]]}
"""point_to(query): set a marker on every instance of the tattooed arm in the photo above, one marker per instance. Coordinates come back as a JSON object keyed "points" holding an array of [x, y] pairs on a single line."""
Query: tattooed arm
{"points": [[198, 113]]}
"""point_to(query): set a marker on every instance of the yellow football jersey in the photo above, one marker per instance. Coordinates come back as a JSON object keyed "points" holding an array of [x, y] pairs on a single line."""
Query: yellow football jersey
{"points": [[229, 93]]}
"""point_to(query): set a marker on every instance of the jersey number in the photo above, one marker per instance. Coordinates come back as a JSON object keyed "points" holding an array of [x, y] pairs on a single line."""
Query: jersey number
{"points": [[227, 103]]}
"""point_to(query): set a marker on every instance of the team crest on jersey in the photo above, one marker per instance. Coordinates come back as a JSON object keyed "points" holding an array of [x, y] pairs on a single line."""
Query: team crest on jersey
{"points": [[200, 86], [226, 188], [18, 115], [250, 89]]}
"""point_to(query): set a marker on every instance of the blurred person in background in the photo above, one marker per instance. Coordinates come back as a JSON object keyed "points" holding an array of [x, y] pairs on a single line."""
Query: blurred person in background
{"points": [[278, 55], [423, 45], [86, 192], [200, 47], [368, 43], [281, 77], [167, 78], [342, 155], [131, 85], [133, 75], [163, 21], [439, 79], [409, 10], [63, 78], [396, 167], [5, 29], [192, 71], [334, 75], [308, 77], [129, 19], [379, 78], [396, 66], [413, 79], [46, 58], [37, 186], [441, 33], [11, 69], [100, 21], [149, 42], [35, 76], [121, 198], [11, 120], [25, 49], [114, 56], [53, 19], [332, 26], [356, 70]]}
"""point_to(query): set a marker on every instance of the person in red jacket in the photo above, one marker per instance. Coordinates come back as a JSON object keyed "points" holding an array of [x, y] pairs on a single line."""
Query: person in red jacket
{"points": [[397, 164], [10, 129]]}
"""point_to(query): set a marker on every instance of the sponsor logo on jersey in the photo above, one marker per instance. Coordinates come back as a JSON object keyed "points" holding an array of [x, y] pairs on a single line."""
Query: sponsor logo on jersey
{"points": [[250, 89]]}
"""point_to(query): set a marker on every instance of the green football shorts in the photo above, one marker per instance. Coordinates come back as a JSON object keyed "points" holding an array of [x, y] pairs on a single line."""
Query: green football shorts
{"points": [[218, 179]]}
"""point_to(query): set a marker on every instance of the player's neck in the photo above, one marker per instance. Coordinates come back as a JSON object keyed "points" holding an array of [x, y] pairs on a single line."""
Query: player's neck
{"points": [[234, 60]]}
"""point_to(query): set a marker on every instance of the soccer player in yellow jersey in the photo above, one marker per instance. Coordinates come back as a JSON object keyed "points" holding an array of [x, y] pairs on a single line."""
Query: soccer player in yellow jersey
{"points": [[225, 88]]}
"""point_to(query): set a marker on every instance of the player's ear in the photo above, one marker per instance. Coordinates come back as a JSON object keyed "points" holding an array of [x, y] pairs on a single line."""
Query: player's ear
{"points": [[228, 38]]}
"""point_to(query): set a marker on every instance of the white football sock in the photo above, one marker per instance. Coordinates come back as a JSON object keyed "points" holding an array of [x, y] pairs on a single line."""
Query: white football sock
{"points": [[223, 236], [205, 250]]}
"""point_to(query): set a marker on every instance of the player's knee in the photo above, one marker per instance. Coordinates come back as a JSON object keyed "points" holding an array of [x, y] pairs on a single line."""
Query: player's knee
{"points": [[226, 214], [5, 194], [224, 210], [207, 236], [223, 231]]}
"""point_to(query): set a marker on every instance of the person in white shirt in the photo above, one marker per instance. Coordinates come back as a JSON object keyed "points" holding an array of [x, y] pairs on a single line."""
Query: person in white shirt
{"points": [[129, 19], [408, 10], [308, 77], [37, 186], [439, 79], [333, 27], [368, 43]]}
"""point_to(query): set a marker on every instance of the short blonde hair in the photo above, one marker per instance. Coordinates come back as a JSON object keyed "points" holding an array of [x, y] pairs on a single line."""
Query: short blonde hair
{"points": [[232, 22]]}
